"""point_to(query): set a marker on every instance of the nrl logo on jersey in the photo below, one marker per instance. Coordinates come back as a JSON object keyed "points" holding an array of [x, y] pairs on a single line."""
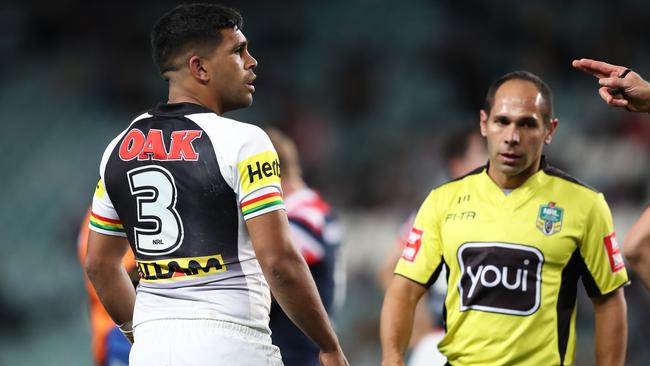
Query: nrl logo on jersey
{"points": [[549, 219]]}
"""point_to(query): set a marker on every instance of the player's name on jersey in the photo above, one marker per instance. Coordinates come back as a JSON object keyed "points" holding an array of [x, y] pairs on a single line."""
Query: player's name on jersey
{"points": [[152, 146], [180, 268]]}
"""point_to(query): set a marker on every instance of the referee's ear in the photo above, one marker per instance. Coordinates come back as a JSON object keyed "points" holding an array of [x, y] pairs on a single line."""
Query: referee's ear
{"points": [[483, 117], [550, 131]]}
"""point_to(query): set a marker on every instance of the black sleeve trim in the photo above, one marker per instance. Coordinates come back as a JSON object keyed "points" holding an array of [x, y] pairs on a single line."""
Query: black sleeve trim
{"points": [[430, 281]]}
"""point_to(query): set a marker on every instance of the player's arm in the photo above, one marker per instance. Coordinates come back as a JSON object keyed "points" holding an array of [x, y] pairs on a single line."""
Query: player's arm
{"points": [[291, 283], [629, 91], [397, 314], [110, 279], [610, 313], [637, 247]]}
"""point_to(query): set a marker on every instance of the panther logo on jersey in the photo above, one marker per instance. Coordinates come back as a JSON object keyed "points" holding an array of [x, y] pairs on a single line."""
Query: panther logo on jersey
{"points": [[549, 219], [500, 278]]}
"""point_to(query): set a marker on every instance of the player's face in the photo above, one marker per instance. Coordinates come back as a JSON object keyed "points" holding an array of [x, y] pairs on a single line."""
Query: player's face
{"points": [[515, 133], [232, 76]]}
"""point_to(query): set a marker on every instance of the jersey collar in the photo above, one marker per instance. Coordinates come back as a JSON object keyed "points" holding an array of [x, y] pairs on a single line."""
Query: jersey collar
{"points": [[518, 195], [178, 109]]}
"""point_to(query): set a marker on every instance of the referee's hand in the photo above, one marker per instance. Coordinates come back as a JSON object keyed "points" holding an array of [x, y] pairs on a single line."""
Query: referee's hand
{"points": [[619, 86]]}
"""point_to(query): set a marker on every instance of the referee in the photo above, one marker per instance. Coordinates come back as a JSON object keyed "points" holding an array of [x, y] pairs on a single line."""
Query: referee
{"points": [[515, 237]]}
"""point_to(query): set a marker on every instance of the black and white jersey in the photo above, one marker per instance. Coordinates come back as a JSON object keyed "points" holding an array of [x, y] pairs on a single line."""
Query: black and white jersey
{"points": [[179, 183]]}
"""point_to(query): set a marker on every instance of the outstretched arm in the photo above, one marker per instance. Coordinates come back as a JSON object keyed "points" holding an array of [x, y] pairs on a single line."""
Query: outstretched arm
{"points": [[618, 88], [610, 311], [291, 283], [637, 247]]}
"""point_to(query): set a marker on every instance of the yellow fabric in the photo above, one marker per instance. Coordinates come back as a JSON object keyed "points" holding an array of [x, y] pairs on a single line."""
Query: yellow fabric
{"points": [[505, 272], [258, 171]]}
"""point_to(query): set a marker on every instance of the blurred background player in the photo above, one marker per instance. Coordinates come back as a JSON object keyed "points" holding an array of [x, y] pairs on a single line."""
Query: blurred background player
{"points": [[463, 152], [109, 346], [622, 87], [317, 233]]}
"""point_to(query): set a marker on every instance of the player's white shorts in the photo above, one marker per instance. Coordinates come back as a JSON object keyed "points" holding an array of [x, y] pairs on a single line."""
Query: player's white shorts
{"points": [[189, 342]]}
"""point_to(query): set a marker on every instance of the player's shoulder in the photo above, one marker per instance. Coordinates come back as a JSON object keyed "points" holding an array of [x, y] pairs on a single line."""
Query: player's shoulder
{"points": [[306, 202], [227, 127], [234, 140]]}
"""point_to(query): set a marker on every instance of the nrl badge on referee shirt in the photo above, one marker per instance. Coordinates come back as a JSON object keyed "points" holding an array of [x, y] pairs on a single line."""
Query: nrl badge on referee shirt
{"points": [[549, 218]]}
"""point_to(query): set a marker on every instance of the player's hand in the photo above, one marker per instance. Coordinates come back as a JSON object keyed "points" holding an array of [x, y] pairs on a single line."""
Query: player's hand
{"points": [[127, 330], [336, 358], [129, 337], [630, 91]]}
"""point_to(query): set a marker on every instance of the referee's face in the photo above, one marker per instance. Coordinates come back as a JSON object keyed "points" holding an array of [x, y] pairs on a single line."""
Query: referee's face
{"points": [[515, 133], [232, 76]]}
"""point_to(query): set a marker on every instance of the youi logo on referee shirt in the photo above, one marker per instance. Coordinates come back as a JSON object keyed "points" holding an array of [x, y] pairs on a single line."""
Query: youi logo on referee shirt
{"points": [[500, 277]]}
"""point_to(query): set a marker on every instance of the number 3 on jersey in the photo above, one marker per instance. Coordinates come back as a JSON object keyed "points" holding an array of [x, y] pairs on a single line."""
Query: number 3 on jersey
{"points": [[160, 228]]}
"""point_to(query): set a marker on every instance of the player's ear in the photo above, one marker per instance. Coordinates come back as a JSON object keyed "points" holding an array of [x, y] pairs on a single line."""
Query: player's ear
{"points": [[483, 120], [550, 131], [198, 69]]}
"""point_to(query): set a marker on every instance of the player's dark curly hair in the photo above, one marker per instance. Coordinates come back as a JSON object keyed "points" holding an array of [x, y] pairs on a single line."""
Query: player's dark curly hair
{"points": [[527, 76], [188, 27]]}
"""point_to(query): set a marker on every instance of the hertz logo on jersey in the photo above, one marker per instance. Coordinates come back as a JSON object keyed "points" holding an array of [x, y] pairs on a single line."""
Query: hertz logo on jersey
{"points": [[500, 278], [180, 268], [259, 170]]}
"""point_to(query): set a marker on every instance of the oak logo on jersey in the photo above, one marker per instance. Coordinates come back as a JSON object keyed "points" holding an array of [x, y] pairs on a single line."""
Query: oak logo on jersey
{"points": [[259, 170], [614, 253], [180, 268], [152, 147], [500, 278], [413, 244], [549, 219]]}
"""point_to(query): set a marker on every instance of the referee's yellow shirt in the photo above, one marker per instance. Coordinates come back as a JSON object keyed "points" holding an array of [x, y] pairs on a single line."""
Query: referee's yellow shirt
{"points": [[513, 263]]}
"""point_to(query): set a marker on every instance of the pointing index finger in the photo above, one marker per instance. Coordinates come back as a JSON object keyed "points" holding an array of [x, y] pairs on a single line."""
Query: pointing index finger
{"points": [[598, 69]]}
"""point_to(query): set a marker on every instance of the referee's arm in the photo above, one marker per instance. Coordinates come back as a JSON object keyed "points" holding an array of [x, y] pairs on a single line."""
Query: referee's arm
{"points": [[610, 311], [397, 312]]}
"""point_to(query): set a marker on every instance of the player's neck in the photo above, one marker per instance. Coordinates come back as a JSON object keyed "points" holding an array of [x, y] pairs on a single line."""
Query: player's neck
{"points": [[178, 94]]}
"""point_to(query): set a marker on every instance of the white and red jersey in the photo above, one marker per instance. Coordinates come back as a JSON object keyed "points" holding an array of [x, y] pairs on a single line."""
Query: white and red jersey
{"points": [[179, 183], [313, 226]]}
